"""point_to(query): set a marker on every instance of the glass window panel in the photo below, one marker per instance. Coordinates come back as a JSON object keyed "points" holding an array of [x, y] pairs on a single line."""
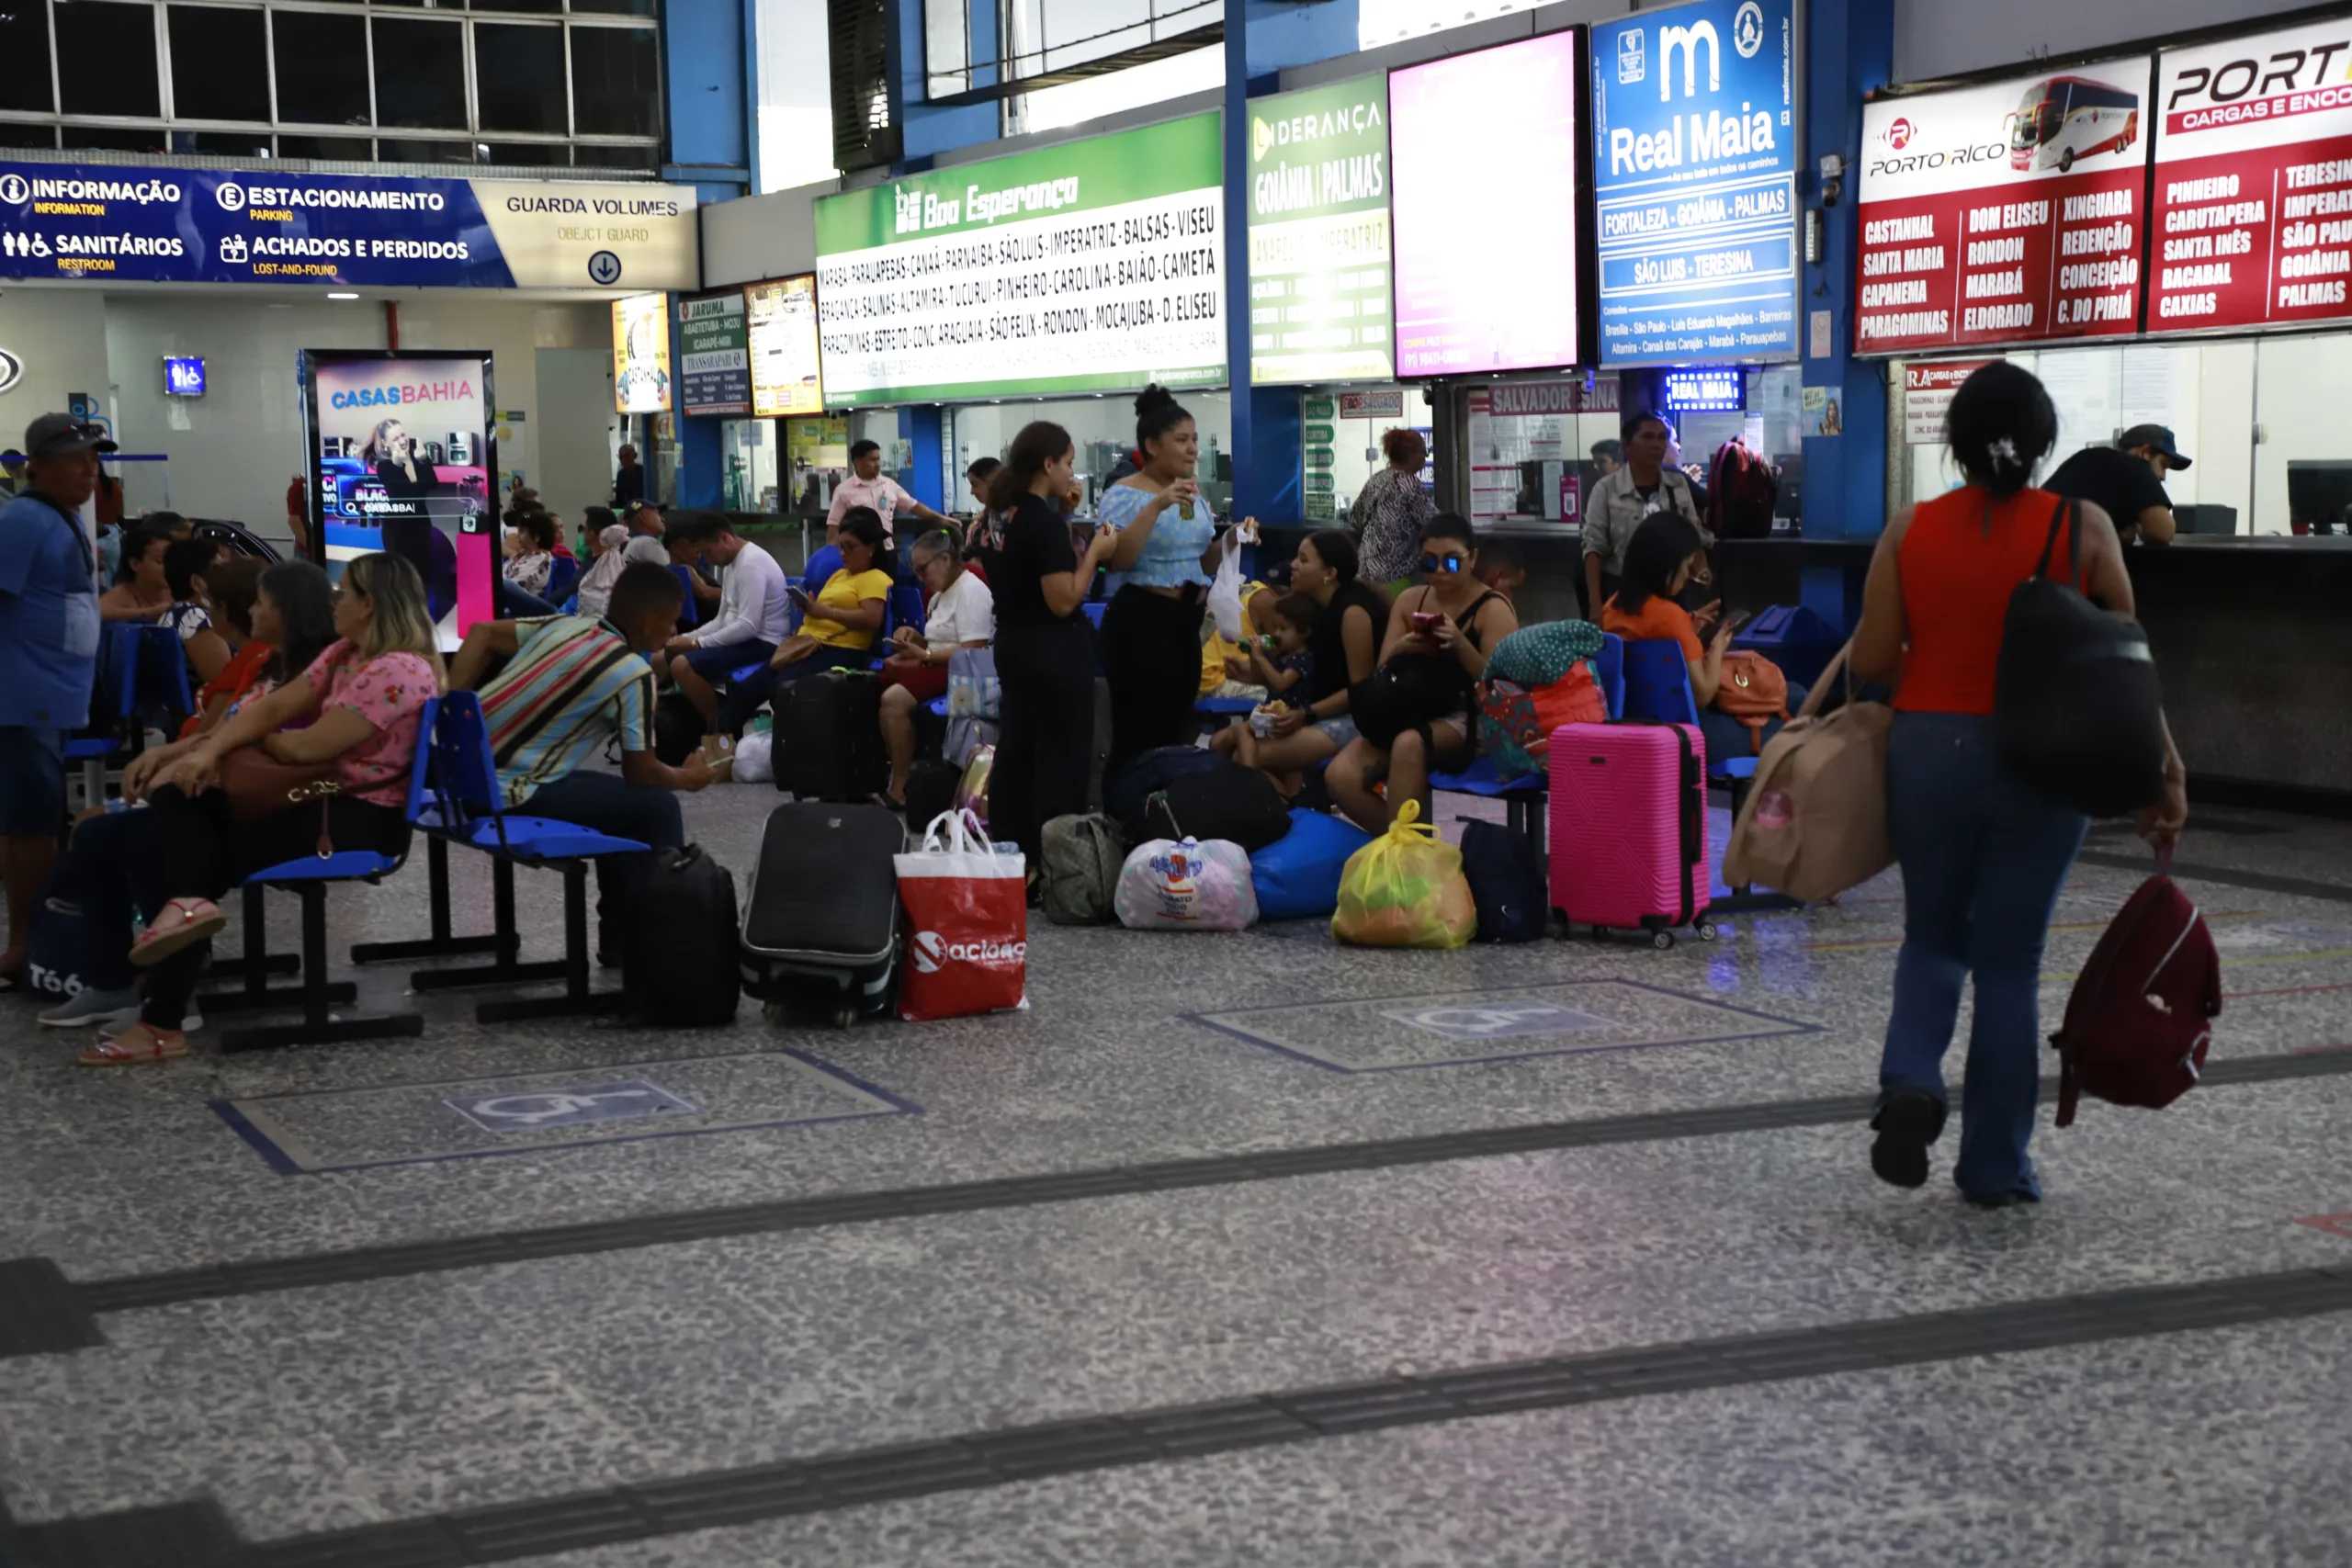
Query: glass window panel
{"points": [[215, 64], [27, 135], [518, 77], [420, 73], [617, 157], [112, 139], [535, 153], [418, 150], [321, 68], [614, 81], [327, 149], [222, 143], [946, 40], [106, 58], [24, 43], [538, 6], [615, 8]]}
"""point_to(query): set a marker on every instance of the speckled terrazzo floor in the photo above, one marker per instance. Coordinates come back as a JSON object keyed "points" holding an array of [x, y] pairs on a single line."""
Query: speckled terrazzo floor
{"points": [[359, 1406]]}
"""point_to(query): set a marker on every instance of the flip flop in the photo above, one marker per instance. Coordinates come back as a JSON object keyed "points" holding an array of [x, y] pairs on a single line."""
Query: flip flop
{"points": [[125, 1050], [200, 921]]}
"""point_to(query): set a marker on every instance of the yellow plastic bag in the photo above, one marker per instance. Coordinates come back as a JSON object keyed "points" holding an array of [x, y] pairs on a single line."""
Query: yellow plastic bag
{"points": [[1405, 889]]}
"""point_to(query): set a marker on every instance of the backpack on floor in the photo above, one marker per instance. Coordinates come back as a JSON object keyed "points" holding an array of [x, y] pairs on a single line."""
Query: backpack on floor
{"points": [[1136, 781], [1078, 880], [1506, 884], [678, 960], [2140, 1020], [931, 789], [1232, 804]]}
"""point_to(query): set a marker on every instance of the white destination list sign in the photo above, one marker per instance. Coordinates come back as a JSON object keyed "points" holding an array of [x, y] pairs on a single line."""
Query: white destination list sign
{"points": [[1110, 297]]}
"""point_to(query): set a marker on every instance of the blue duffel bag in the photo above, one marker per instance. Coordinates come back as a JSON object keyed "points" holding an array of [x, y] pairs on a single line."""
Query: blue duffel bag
{"points": [[1297, 877]]}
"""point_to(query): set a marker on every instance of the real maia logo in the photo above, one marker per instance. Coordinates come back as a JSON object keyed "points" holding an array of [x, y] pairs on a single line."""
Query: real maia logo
{"points": [[1690, 139]]}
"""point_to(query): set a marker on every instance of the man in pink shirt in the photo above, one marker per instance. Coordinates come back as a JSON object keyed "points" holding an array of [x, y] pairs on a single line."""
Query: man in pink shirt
{"points": [[867, 487]]}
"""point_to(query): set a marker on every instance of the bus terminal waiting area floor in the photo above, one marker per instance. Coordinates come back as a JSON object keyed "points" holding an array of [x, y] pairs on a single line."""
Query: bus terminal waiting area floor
{"points": [[1231, 1249]]}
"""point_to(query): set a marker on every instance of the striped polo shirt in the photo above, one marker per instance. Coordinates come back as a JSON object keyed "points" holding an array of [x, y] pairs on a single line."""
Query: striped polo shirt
{"points": [[572, 685]]}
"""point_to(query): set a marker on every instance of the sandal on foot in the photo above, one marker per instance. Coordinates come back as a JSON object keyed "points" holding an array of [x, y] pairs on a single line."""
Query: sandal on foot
{"points": [[200, 921], [140, 1043]]}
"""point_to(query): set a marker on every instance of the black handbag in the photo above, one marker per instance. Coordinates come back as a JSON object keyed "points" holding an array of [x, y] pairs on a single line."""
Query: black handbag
{"points": [[1410, 691], [2076, 710]]}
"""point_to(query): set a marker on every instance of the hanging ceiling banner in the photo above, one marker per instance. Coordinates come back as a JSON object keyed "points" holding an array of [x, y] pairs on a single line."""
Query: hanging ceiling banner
{"points": [[1319, 235], [2005, 213], [1694, 155]]}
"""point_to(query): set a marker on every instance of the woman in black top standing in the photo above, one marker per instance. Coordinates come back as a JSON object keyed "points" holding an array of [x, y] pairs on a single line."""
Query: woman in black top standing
{"points": [[1045, 649]]}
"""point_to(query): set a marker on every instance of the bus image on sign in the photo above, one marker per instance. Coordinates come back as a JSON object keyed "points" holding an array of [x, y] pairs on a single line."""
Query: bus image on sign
{"points": [[2068, 118]]}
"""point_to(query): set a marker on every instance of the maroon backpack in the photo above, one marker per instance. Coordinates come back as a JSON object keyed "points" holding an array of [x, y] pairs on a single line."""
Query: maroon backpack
{"points": [[1741, 493], [2140, 1020]]}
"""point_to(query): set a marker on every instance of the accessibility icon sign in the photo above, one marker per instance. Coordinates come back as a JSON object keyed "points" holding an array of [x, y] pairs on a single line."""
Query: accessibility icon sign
{"points": [[529, 1111], [1498, 1019]]}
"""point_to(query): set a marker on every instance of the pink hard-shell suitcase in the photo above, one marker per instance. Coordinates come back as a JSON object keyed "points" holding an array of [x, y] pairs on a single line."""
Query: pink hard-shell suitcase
{"points": [[1629, 827]]}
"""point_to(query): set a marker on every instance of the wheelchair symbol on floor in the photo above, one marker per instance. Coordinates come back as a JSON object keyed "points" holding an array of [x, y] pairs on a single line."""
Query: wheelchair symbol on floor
{"points": [[1497, 1020], [518, 1111]]}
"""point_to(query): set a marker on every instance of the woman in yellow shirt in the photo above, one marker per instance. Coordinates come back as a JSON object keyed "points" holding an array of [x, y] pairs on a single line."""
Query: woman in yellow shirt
{"points": [[838, 627]]}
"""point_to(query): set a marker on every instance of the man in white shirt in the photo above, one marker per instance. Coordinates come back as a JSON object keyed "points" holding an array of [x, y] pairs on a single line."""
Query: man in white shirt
{"points": [[867, 487], [755, 613]]}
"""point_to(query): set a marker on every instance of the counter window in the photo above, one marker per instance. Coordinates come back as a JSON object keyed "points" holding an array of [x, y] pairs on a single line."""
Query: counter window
{"points": [[1104, 430]]}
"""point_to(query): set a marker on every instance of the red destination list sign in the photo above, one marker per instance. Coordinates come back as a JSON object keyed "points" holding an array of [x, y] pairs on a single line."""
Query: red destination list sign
{"points": [[2003, 213], [2253, 219]]}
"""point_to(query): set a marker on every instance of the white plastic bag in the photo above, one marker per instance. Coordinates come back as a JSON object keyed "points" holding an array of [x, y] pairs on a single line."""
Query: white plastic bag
{"points": [[1169, 886], [753, 757], [1225, 594]]}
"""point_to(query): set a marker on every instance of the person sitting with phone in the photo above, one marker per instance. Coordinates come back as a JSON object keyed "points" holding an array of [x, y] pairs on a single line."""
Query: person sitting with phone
{"points": [[838, 626], [751, 623], [1413, 716], [1659, 560]]}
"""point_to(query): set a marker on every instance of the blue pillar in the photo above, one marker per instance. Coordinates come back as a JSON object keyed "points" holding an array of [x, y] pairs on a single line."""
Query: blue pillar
{"points": [[920, 425], [1246, 457], [926, 129], [1849, 51]]}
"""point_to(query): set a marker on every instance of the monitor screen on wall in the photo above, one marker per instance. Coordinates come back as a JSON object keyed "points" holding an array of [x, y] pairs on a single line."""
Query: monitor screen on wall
{"points": [[400, 454], [783, 324], [1488, 171]]}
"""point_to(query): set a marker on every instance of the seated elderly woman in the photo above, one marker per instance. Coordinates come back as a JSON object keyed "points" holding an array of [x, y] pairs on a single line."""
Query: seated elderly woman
{"points": [[353, 716], [962, 615]]}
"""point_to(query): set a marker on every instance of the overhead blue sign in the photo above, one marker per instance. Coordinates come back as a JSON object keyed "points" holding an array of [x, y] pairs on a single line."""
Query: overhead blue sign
{"points": [[1694, 181], [114, 223]]}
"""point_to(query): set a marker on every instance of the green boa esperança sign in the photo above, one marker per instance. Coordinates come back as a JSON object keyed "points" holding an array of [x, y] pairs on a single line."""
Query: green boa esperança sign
{"points": [[1319, 235], [1094, 266]]}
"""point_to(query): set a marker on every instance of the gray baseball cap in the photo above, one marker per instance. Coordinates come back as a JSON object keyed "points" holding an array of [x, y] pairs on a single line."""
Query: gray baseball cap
{"points": [[60, 434]]}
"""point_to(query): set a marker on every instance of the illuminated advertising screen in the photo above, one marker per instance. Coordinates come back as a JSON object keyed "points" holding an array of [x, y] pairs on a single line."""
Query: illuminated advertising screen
{"points": [[1319, 235], [642, 354], [400, 458], [1488, 165], [783, 317]]}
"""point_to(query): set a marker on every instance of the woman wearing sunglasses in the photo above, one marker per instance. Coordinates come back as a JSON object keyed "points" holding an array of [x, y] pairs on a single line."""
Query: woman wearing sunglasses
{"points": [[1413, 716]]}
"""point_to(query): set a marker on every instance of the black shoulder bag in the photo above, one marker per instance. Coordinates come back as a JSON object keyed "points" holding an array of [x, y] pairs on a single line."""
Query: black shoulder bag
{"points": [[2076, 712]]}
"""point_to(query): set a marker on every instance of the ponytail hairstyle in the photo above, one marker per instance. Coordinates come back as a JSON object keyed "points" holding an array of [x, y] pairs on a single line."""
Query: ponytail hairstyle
{"points": [[1038, 443], [2000, 425], [1157, 413]]}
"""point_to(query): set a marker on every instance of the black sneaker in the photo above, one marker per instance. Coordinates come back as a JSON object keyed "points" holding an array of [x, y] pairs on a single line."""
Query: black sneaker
{"points": [[1906, 1125]]}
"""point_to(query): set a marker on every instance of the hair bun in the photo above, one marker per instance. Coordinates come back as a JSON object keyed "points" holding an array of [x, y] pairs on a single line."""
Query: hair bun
{"points": [[1153, 397]]}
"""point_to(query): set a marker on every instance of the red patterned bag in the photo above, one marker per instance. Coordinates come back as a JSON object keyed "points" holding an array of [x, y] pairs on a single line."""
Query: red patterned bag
{"points": [[967, 924]]}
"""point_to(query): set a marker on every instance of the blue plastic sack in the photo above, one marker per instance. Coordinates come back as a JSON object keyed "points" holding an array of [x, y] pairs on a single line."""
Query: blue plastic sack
{"points": [[1297, 877], [57, 952]]}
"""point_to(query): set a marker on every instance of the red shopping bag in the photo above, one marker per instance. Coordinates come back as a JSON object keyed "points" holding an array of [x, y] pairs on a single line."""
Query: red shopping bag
{"points": [[967, 924]]}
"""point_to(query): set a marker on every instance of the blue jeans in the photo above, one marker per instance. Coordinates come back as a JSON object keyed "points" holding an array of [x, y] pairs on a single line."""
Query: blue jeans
{"points": [[1982, 859]]}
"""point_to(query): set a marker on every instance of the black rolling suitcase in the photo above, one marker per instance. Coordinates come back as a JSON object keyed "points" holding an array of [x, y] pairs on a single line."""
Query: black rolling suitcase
{"points": [[827, 943], [829, 736], [674, 967]]}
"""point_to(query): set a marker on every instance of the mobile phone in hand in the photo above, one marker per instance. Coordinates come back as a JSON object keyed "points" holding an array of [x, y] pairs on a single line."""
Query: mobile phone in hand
{"points": [[798, 597], [1424, 621], [1737, 619]]}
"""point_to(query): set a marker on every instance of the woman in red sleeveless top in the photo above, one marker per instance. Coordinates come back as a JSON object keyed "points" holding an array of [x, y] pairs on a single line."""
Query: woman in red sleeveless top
{"points": [[1983, 856]]}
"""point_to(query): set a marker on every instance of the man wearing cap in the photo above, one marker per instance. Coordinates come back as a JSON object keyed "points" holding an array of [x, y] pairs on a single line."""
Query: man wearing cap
{"points": [[2127, 480], [49, 656]]}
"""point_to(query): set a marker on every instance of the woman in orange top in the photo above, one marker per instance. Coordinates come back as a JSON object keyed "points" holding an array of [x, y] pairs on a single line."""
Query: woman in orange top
{"points": [[1983, 856]]}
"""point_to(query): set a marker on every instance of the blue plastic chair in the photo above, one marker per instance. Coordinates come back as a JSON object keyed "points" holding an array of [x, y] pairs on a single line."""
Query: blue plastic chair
{"points": [[112, 701], [690, 614], [307, 879], [466, 806], [563, 575]]}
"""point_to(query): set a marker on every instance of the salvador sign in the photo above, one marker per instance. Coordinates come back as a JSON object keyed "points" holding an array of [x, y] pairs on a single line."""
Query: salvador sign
{"points": [[116, 223]]}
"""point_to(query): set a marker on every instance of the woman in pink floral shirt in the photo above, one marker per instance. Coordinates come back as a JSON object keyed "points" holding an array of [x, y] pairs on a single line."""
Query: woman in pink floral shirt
{"points": [[358, 706]]}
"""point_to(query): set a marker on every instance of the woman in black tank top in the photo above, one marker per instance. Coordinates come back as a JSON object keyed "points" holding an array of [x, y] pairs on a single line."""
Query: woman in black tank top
{"points": [[1434, 651]]}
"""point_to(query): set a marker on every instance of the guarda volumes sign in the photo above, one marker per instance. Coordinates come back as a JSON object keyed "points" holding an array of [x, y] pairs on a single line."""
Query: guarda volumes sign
{"points": [[1093, 267], [1319, 235], [1694, 182], [111, 222], [2252, 222], [2003, 213]]}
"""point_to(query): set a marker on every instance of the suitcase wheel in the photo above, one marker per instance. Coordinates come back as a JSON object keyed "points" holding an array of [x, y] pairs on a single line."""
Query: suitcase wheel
{"points": [[1661, 940], [1706, 929], [845, 1015]]}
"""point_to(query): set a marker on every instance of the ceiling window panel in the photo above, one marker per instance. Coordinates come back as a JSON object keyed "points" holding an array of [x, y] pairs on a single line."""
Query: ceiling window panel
{"points": [[215, 64], [105, 58], [24, 43], [321, 67], [519, 77]]}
